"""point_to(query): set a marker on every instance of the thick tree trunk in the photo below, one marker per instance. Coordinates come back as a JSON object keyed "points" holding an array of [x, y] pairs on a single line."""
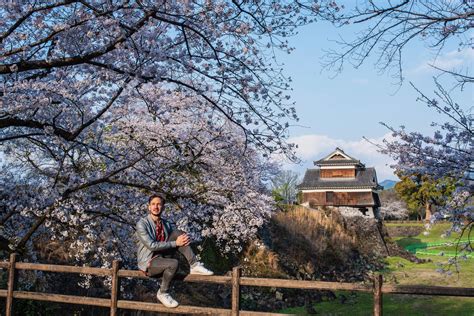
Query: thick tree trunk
{"points": [[427, 211]]}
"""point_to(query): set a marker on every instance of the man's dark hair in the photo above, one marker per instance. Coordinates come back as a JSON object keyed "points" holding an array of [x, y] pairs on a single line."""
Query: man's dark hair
{"points": [[157, 196]]}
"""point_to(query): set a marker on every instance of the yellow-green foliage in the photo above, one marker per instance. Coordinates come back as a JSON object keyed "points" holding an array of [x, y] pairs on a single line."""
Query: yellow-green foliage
{"points": [[419, 190]]}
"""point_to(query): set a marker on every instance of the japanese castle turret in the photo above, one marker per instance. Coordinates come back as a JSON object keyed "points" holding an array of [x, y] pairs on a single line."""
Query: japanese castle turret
{"points": [[342, 181]]}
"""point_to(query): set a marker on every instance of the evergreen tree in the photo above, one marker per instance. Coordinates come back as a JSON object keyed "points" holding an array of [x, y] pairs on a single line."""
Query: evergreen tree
{"points": [[421, 193]]}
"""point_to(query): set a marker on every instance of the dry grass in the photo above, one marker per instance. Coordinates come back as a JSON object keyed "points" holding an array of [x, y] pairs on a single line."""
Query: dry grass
{"points": [[261, 262], [53, 251], [320, 228], [307, 243]]}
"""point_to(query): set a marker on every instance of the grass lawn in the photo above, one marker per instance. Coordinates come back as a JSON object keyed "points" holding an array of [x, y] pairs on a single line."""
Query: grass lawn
{"points": [[432, 235], [404, 272], [395, 304]]}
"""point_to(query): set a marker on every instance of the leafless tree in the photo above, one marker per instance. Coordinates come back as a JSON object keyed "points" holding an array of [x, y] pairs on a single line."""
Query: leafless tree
{"points": [[391, 25], [284, 185]]}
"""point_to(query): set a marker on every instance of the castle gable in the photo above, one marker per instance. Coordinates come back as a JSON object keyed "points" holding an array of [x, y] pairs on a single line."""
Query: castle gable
{"points": [[338, 158]]}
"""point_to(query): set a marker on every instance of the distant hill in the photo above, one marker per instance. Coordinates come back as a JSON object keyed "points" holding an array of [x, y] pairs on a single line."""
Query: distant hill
{"points": [[388, 184]]}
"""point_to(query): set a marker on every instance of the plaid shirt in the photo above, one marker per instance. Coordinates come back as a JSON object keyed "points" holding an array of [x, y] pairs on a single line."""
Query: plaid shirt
{"points": [[160, 231]]}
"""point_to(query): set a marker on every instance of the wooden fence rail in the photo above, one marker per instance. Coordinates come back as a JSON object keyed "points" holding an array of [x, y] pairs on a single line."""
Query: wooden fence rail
{"points": [[235, 281]]}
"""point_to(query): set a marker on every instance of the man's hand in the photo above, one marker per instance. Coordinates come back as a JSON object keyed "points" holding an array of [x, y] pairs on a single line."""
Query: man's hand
{"points": [[183, 240]]}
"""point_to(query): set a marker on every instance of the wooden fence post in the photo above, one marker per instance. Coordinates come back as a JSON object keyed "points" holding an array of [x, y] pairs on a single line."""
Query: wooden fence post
{"points": [[378, 282], [115, 288], [235, 291], [11, 284]]}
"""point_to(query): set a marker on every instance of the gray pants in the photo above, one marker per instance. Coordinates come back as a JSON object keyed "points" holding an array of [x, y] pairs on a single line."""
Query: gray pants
{"points": [[168, 266]]}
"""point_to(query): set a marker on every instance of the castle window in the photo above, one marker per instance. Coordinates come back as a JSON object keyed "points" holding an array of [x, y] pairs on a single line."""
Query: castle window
{"points": [[329, 197]]}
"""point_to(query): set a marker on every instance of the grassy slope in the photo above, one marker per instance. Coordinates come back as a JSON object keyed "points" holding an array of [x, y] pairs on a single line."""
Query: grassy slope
{"points": [[402, 271], [411, 305], [433, 235]]}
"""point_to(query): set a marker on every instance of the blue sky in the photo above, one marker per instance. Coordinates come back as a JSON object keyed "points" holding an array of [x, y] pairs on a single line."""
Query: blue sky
{"points": [[339, 111]]}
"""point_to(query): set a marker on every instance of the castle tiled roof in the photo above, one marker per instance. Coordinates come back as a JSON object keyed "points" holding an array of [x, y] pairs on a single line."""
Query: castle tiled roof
{"points": [[366, 178], [334, 162]]}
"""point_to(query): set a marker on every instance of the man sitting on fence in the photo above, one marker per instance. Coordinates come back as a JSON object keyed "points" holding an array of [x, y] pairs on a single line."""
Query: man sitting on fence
{"points": [[157, 242]]}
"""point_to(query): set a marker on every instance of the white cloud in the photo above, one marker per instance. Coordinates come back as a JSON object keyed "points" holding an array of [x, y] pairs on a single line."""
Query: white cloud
{"points": [[314, 147], [451, 60]]}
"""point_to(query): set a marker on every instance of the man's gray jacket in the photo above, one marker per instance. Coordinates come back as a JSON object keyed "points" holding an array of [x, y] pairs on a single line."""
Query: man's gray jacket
{"points": [[146, 240]]}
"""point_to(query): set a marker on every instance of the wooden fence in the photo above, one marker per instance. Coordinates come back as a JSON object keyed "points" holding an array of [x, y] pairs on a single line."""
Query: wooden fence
{"points": [[235, 281]]}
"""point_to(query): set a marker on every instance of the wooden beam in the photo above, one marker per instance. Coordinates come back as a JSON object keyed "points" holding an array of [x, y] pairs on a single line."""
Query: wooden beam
{"points": [[115, 288], [182, 309], [11, 284], [235, 291], [132, 305], [62, 268], [250, 313], [306, 285], [378, 296], [429, 290], [215, 279], [59, 298]]}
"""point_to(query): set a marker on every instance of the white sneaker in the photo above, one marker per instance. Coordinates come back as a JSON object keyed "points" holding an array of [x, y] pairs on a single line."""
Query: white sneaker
{"points": [[198, 268], [167, 300]]}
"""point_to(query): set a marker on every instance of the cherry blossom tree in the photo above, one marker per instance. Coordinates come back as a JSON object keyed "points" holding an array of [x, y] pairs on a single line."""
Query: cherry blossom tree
{"points": [[102, 102], [90, 197], [221, 51]]}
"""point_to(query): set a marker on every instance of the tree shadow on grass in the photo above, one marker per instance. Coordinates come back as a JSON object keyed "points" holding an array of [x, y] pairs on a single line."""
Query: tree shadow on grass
{"points": [[411, 244]]}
